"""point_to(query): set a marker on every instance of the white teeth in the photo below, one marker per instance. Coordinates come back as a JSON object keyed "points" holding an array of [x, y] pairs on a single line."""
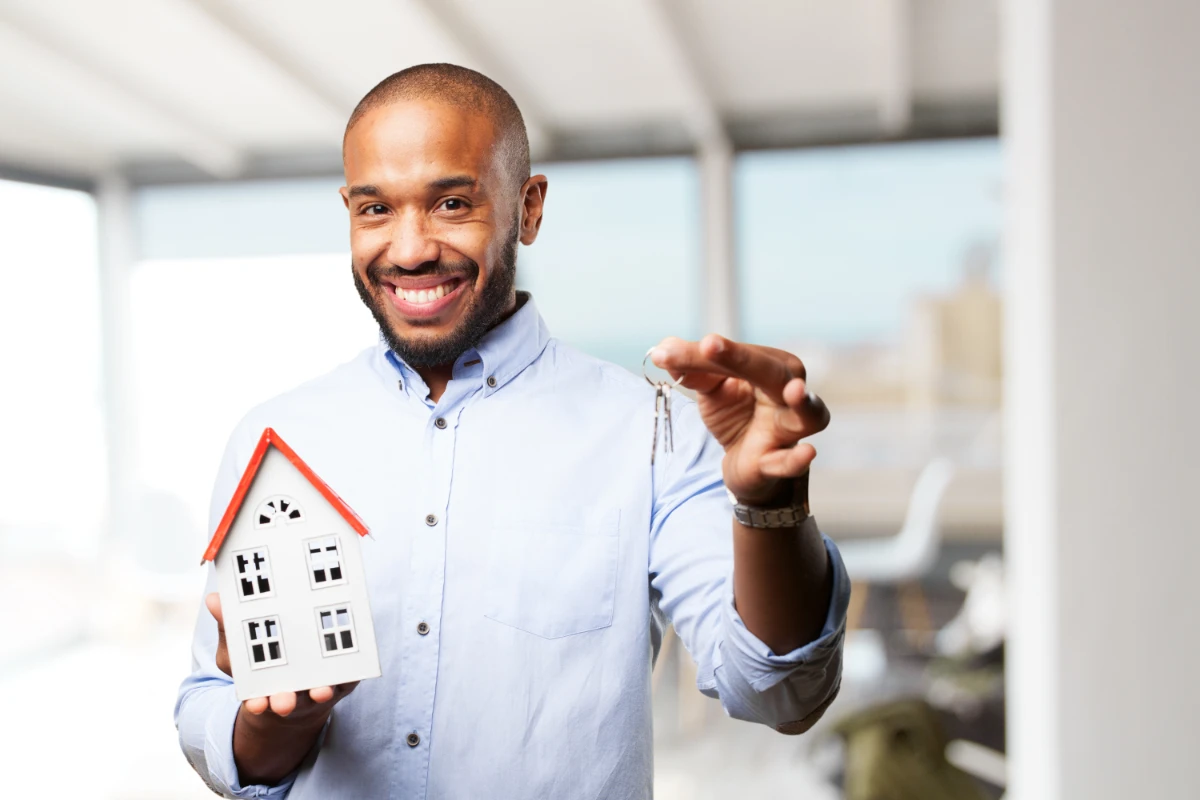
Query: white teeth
{"points": [[423, 296]]}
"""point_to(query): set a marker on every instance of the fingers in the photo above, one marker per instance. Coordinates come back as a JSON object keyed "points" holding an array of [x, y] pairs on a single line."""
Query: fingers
{"points": [[257, 705], [213, 602], [804, 414], [283, 703], [768, 369], [322, 694], [791, 462]]}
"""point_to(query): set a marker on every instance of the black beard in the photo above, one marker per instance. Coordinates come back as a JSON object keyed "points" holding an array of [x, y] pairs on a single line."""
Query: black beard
{"points": [[481, 316]]}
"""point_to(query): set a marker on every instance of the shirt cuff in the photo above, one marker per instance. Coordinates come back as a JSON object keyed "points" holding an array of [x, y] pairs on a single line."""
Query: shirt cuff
{"points": [[218, 751], [760, 666]]}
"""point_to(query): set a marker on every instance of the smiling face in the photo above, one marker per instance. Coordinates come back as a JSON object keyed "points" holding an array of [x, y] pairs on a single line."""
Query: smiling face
{"points": [[435, 217]]}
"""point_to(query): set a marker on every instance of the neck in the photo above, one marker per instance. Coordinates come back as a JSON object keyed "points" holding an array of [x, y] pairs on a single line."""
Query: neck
{"points": [[438, 378]]}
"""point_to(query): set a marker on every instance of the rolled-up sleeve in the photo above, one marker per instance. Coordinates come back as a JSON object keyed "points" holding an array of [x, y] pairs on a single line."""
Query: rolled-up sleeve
{"points": [[691, 564], [207, 706]]}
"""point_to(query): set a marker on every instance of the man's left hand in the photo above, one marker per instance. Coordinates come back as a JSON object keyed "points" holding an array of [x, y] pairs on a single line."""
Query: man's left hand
{"points": [[755, 402]]}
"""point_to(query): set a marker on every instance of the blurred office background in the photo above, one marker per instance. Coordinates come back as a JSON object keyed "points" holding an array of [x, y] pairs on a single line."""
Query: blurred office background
{"points": [[825, 177]]}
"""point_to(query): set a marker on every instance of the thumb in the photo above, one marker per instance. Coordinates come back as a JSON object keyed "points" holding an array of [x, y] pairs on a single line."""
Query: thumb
{"points": [[213, 601]]}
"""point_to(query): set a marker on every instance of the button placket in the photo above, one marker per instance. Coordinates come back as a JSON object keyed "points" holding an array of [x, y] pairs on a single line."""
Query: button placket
{"points": [[422, 607]]}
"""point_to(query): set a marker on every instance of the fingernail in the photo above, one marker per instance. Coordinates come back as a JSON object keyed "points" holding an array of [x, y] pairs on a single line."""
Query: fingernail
{"points": [[657, 354]]}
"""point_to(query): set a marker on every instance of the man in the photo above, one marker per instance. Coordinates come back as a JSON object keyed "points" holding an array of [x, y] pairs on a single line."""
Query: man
{"points": [[527, 556]]}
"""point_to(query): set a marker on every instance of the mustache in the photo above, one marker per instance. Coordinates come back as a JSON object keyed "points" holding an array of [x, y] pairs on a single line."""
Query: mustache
{"points": [[468, 269]]}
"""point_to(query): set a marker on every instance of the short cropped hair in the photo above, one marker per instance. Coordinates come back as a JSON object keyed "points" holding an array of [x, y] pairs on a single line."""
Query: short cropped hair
{"points": [[462, 88]]}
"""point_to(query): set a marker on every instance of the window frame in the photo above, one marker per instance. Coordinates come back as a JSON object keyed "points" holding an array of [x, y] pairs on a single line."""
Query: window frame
{"points": [[280, 505], [265, 642], [337, 630], [254, 573], [339, 561]]}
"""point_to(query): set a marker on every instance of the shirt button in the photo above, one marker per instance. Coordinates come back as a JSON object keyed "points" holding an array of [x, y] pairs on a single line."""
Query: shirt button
{"points": [[440, 422], [422, 628], [412, 739], [492, 381], [431, 520]]}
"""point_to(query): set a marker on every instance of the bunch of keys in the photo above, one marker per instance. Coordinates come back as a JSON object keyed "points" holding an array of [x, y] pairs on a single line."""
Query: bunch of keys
{"points": [[662, 409]]}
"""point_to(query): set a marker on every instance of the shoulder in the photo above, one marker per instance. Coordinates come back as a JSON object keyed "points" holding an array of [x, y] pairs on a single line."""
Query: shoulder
{"points": [[326, 397], [593, 376]]}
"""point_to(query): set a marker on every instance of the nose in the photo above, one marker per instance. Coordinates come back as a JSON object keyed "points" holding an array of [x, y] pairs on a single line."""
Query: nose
{"points": [[411, 245]]}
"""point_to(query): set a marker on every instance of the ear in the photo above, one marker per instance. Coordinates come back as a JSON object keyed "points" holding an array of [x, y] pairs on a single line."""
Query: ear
{"points": [[345, 193], [533, 201]]}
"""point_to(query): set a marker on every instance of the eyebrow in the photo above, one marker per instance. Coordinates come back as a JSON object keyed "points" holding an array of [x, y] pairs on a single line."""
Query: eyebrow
{"points": [[454, 182], [438, 185]]}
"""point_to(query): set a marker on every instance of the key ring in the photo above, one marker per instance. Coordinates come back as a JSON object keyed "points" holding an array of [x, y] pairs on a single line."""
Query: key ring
{"points": [[656, 384]]}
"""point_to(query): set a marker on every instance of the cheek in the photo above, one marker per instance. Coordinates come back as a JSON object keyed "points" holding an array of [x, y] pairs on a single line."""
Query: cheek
{"points": [[367, 244]]}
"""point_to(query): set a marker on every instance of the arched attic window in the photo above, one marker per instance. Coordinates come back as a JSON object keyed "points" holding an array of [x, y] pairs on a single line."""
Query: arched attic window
{"points": [[276, 509]]}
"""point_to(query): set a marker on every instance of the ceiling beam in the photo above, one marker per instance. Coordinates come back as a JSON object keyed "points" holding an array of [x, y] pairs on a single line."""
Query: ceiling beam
{"points": [[460, 31], [700, 114], [186, 137], [327, 97], [895, 66]]}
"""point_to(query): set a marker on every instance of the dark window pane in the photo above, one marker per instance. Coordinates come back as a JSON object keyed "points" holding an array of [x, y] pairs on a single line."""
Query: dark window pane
{"points": [[295, 514], [330, 643], [273, 649], [241, 562], [347, 639], [253, 626], [270, 626], [314, 548], [258, 654], [332, 548], [263, 519], [272, 504], [283, 505], [319, 577], [264, 585], [247, 588], [326, 619], [259, 560], [335, 573]]}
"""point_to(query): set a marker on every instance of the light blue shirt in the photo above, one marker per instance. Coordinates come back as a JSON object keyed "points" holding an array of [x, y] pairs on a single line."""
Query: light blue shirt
{"points": [[530, 533]]}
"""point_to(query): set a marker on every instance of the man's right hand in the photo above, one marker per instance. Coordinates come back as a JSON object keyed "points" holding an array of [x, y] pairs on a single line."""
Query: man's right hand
{"points": [[273, 736]]}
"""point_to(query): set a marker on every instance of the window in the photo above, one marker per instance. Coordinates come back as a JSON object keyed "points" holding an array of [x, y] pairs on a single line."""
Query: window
{"points": [[336, 630], [264, 640], [277, 508], [253, 572], [325, 562]]}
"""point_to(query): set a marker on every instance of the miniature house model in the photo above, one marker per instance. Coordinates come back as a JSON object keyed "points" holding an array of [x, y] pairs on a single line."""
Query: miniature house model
{"points": [[290, 574]]}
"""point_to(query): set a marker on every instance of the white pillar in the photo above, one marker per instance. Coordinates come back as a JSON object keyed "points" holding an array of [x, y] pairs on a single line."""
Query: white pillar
{"points": [[1102, 124], [715, 161], [116, 243]]}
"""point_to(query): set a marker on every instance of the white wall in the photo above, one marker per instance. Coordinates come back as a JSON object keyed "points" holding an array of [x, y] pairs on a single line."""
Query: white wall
{"points": [[1102, 119]]}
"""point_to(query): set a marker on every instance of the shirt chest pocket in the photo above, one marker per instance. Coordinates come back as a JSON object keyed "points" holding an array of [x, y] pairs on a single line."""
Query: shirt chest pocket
{"points": [[553, 576]]}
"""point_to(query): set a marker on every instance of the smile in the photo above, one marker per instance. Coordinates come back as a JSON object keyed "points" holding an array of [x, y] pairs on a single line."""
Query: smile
{"points": [[424, 297]]}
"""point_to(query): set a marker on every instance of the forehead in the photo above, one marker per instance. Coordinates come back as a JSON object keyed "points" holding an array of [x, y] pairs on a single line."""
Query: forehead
{"points": [[420, 140]]}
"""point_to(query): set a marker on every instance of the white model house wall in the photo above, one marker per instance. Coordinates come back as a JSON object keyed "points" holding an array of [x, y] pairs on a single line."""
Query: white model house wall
{"points": [[292, 598]]}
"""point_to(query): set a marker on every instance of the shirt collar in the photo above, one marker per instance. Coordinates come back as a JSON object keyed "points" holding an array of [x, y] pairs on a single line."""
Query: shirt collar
{"points": [[505, 350]]}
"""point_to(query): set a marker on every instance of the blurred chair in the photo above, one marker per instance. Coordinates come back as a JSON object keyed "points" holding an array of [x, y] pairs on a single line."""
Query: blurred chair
{"points": [[904, 559]]}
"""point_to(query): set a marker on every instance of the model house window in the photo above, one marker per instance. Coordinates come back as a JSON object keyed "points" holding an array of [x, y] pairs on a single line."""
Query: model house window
{"points": [[336, 628], [274, 509], [252, 571], [325, 562], [264, 640]]}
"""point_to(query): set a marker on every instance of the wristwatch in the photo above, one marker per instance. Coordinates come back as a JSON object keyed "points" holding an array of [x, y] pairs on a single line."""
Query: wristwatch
{"points": [[787, 516]]}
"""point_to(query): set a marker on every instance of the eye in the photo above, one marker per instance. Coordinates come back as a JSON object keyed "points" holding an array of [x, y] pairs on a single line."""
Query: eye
{"points": [[454, 204], [375, 209]]}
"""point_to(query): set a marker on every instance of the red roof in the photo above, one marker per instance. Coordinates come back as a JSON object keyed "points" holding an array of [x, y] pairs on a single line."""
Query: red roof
{"points": [[271, 438]]}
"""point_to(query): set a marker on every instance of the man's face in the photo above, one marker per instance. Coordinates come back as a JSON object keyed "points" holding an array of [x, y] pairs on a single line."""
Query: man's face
{"points": [[434, 226]]}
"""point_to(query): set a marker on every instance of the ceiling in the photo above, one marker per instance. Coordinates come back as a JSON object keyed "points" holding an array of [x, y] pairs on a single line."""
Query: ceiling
{"points": [[179, 90]]}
